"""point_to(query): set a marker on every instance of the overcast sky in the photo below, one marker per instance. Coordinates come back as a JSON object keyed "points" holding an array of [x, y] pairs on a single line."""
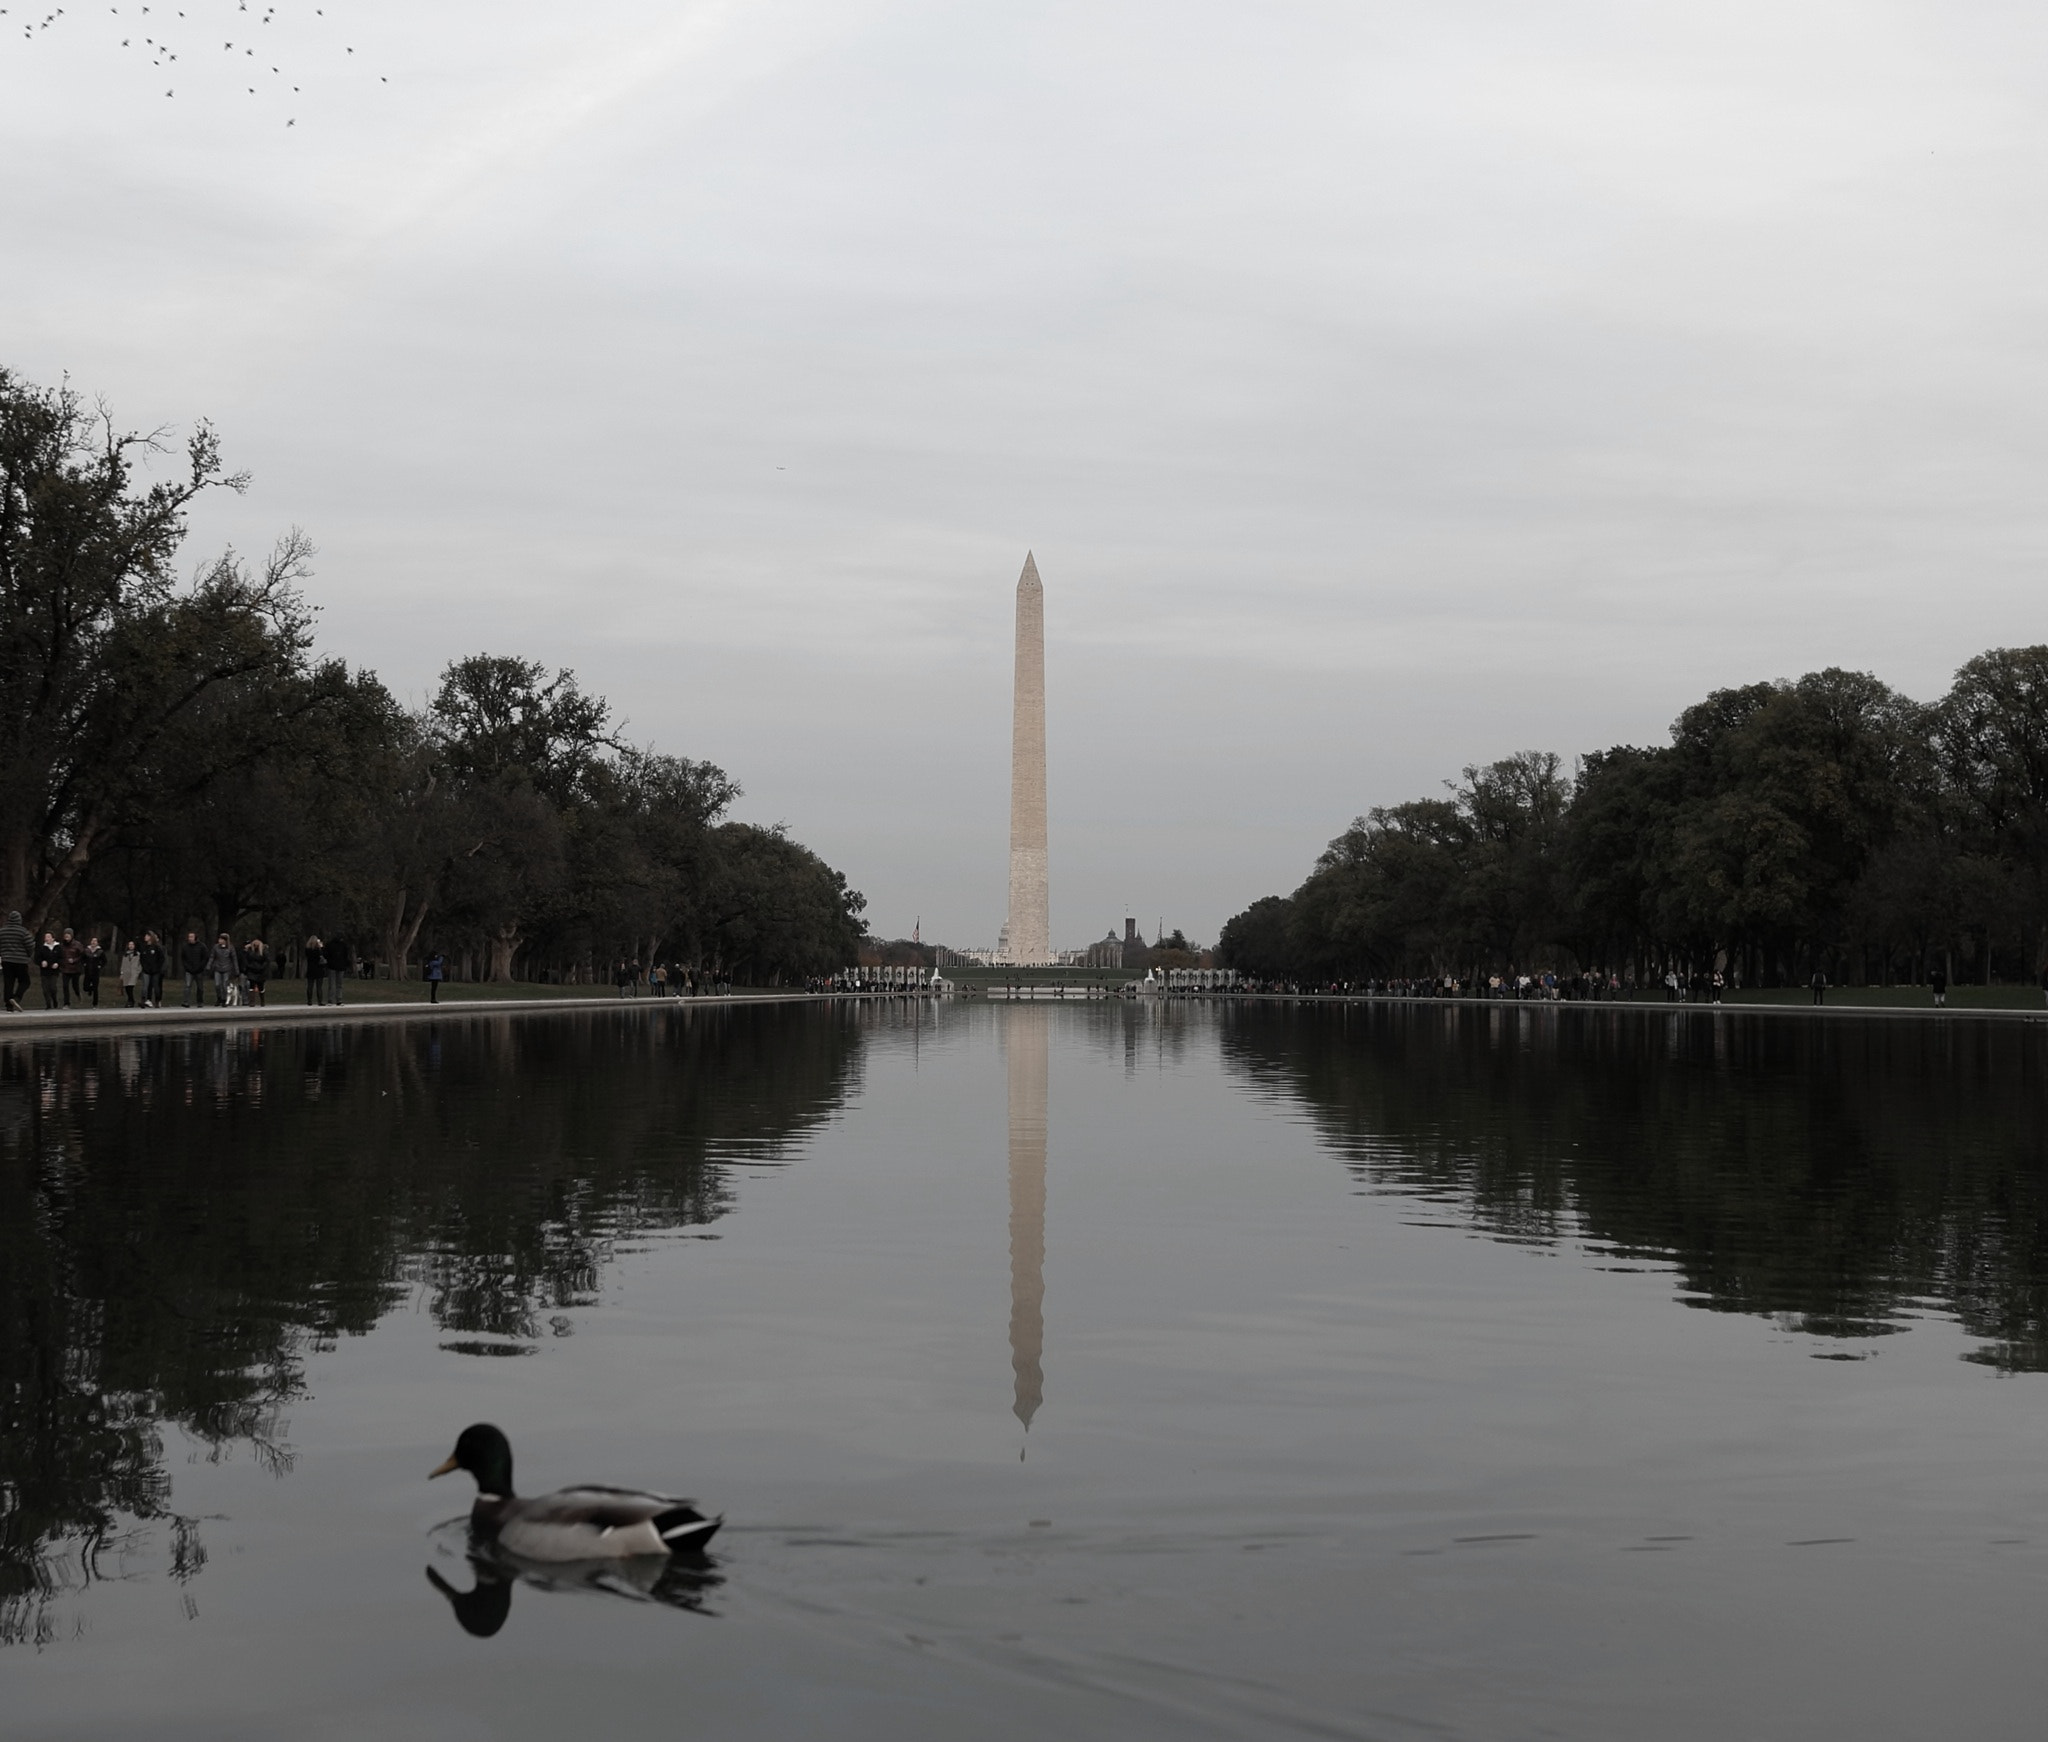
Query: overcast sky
{"points": [[1382, 388]]}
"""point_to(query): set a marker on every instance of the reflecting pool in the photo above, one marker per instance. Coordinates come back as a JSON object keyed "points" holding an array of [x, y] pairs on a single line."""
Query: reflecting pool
{"points": [[1110, 1371]]}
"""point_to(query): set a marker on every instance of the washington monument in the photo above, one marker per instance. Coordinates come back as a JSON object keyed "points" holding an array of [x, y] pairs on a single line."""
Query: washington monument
{"points": [[1027, 939]]}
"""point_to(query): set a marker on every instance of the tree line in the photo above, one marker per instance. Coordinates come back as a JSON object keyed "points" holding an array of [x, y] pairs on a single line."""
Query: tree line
{"points": [[175, 753], [1827, 824]]}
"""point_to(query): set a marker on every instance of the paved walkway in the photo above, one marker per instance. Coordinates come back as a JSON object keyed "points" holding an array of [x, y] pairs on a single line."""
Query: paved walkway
{"points": [[119, 1019], [1657, 1007]]}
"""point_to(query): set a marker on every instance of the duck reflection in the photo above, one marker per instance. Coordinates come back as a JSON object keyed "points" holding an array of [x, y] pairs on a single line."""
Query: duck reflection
{"points": [[1025, 1040], [675, 1581]]}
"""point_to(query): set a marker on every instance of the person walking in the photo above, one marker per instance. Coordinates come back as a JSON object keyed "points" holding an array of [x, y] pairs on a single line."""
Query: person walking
{"points": [[255, 956], [436, 971], [131, 972], [95, 964], [17, 954], [192, 960], [71, 963], [340, 959], [1937, 983], [226, 970], [1819, 983], [313, 960], [154, 961], [49, 967]]}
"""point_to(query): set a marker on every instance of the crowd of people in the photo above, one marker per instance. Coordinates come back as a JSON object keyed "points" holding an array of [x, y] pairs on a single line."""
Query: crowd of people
{"points": [[1547, 986], [72, 968], [667, 980]]}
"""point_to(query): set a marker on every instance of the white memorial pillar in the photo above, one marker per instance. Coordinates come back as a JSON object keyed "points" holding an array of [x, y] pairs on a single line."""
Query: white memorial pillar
{"points": [[1030, 927]]}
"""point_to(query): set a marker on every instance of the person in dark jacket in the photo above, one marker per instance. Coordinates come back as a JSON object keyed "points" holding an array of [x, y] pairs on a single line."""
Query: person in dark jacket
{"points": [[71, 962], [192, 959], [1819, 983], [1937, 983], [436, 971], [89, 972], [316, 969], [339, 960], [50, 965], [226, 969], [154, 961], [255, 970], [17, 954]]}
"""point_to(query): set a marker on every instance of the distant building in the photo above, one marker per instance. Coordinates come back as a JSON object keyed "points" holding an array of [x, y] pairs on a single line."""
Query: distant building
{"points": [[1109, 953], [974, 958]]}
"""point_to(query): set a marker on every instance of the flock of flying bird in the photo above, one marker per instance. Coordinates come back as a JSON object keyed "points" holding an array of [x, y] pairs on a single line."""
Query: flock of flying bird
{"points": [[159, 49]]}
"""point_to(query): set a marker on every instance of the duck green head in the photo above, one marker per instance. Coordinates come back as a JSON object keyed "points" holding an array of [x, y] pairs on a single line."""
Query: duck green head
{"points": [[486, 1454]]}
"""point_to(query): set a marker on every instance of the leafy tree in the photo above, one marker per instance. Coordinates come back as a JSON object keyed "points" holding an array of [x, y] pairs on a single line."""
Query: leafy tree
{"points": [[1513, 812], [1259, 941], [1789, 791], [1993, 739], [1994, 732], [1616, 849], [778, 912], [274, 827], [104, 653], [502, 724], [662, 851], [1819, 822], [521, 751]]}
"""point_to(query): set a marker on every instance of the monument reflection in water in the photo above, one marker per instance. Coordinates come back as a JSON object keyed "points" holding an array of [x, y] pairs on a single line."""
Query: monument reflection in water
{"points": [[1027, 1050]]}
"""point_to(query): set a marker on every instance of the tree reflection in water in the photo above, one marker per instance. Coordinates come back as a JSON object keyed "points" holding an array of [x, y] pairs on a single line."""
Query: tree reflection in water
{"points": [[1835, 1175], [186, 1218]]}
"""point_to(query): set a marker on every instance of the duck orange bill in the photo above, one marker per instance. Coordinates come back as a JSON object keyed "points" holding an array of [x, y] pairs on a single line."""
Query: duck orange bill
{"points": [[447, 1466]]}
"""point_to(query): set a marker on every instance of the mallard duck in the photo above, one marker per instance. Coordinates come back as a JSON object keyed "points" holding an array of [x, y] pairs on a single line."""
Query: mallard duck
{"points": [[571, 1524]]}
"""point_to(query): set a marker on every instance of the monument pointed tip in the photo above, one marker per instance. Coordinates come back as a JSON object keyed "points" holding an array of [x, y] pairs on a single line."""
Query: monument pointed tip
{"points": [[1030, 573]]}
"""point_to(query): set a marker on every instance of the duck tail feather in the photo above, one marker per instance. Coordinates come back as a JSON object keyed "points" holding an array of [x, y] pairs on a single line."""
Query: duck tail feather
{"points": [[686, 1529]]}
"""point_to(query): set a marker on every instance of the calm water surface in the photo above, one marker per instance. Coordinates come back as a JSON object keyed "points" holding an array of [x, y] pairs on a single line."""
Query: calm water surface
{"points": [[1109, 1372]]}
